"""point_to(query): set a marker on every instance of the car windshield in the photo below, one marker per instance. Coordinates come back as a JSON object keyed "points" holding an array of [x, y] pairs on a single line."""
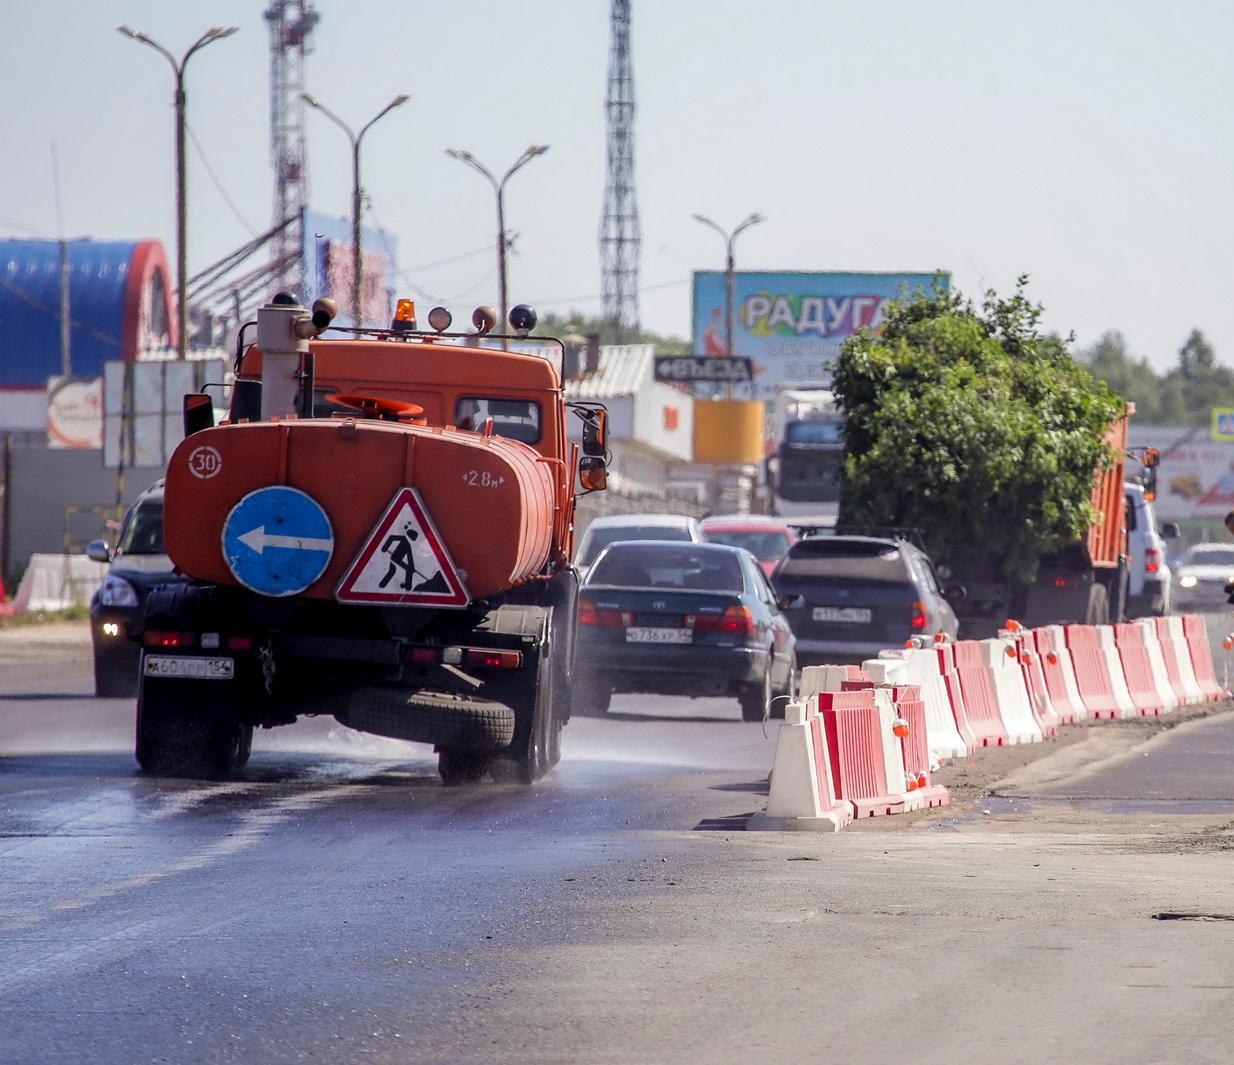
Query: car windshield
{"points": [[667, 566], [143, 532], [854, 560], [767, 545], [814, 432], [1210, 556], [599, 539]]}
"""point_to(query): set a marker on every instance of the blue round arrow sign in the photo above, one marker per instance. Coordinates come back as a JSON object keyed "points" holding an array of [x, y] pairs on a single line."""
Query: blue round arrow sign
{"points": [[277, 541]]}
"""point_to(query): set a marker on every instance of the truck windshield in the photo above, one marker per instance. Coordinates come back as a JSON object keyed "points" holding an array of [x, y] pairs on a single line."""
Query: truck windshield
{"points": [[143, 531], [814, 432], [517, 419]]}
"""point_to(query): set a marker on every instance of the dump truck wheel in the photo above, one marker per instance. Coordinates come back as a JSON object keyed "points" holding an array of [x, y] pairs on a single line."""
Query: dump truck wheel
{"points": [[460, 767], [449, 722], [185, 730], [529, 756]]}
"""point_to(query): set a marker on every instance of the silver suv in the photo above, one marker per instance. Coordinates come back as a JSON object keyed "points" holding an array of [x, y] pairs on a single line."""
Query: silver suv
{"points": [[1150, 579]]}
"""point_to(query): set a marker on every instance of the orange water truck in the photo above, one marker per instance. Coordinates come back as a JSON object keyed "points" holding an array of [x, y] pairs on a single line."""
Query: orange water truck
{"points": [[379, 530]]}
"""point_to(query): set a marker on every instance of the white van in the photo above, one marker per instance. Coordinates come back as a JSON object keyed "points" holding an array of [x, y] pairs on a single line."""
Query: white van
{"points": [[1150, 579]]}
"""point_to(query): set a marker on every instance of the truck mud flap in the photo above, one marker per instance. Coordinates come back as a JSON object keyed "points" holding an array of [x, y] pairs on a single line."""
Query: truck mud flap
{"points": [[458, 722]]}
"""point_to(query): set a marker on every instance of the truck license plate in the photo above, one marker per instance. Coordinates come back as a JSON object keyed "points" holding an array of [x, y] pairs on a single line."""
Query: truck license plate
{"points": [[190, 668], [638, 634], [855, 615]]}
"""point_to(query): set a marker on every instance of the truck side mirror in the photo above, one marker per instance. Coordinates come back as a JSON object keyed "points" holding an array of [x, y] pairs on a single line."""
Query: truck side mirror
{"points": [[198, 413], [595, 433], [592, 473]]}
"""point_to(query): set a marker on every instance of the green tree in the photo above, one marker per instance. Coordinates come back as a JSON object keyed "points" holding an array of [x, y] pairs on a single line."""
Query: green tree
{"points": [[972, 426], [559, 325], [1109, 360]]}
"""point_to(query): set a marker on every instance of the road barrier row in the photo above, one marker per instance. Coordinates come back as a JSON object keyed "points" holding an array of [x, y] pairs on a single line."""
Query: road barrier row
{"points": [[862, 741]]}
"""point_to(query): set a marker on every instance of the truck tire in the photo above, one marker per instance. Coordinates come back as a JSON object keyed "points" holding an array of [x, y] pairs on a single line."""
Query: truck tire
{"points": [[460, 724], [1098, 606], [530, 755], [189, 729], [756, 698]]}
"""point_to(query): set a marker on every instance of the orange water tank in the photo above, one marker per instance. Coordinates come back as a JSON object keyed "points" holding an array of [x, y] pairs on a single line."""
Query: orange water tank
{"points": [[490, 499]]}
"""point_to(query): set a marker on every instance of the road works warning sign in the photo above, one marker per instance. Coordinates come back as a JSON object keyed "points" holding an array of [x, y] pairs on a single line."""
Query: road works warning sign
{"points": [[404, 562]]}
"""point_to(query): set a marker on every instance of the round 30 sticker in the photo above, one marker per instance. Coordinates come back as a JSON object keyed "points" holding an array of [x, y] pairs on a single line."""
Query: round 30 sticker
{"points": [[205, 462]]}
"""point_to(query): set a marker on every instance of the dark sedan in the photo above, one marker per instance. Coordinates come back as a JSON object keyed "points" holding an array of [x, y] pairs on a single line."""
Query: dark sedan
{"points": [[854, 596], [138, 563], [682, 619]]}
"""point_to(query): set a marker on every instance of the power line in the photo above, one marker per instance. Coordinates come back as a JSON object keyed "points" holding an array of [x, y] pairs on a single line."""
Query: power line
{"points": [[600, 295], [201, 154]]}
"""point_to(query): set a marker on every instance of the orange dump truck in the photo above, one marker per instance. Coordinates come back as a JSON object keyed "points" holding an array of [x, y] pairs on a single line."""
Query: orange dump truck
{"points": [[1084, 581], [380, 531]]}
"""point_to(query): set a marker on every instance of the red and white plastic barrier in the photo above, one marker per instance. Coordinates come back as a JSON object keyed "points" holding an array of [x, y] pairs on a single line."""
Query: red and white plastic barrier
{"points": [[863, 741]]}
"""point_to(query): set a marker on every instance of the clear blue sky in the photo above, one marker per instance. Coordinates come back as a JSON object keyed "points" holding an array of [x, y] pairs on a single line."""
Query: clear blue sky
{"points": [[1087, 144]]}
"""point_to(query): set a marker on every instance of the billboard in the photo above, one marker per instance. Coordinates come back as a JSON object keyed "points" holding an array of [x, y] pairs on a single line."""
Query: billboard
{"points": [[1195, 480], [326, 266], [792, 324]]}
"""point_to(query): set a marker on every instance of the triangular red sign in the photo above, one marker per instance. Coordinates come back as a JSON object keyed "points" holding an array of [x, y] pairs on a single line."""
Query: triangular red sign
{"points": [[404, 562]]}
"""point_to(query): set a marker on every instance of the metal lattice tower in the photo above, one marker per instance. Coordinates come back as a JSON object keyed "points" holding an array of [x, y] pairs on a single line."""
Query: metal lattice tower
{"points": [[291, 26], [620, 238]]}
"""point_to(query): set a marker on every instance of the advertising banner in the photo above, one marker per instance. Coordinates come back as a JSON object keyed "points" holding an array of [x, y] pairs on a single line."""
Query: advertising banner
{"points": [[75, 412], [1195, 480], [792, 324], [327, 266]]}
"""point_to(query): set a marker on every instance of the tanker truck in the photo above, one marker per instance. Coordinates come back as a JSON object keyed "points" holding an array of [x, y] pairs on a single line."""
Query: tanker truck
{"points": [[379, 530]]}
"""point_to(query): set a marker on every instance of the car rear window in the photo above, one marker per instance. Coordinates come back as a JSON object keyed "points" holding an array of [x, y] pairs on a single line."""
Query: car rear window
{"points": [[765, 544], [667, 566], [599, 539], [1210, 556], [864, 561], [143, 532]]}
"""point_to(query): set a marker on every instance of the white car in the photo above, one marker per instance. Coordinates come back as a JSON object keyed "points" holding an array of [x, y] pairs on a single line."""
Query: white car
{"points": [[1202, 575], [614, 527]]}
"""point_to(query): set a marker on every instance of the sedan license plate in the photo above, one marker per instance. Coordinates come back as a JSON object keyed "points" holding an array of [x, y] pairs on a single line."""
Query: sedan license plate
{"points": [[853, 615], [640, 634], [190, 668]]}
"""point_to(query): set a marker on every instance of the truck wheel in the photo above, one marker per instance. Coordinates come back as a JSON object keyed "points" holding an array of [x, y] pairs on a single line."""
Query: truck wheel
{"points": [[756, 697], [449, 722], [529, 756], [1098, 606], [460, 767], [185, 730]]}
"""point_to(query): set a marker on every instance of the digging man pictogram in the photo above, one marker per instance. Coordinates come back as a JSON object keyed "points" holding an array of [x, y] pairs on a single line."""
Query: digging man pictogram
{"points": [[401, 556]]}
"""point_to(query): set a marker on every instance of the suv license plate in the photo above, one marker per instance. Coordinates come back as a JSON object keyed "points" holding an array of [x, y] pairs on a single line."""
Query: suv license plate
{"points": [[647, 635], [854, 615], [190, 668]]}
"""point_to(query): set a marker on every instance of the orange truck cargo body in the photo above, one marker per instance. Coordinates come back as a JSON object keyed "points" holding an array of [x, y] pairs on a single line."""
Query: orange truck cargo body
{"points": [[491, 499], [1107, 539]]}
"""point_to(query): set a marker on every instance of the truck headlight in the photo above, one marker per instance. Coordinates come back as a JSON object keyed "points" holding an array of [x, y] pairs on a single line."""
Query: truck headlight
{"points": [[116, 591]]}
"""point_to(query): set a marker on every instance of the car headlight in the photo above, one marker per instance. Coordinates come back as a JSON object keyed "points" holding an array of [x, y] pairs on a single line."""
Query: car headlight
{"points": [[116, 591], [1187, 581]]}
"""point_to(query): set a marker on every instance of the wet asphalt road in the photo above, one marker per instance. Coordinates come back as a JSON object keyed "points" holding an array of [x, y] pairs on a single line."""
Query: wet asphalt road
{"points": [[335, 904]]}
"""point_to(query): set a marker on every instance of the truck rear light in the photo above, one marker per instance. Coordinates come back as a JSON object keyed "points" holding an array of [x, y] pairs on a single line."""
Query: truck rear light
{"points": [[1064, 582], [165, 638], [239, 643], [423, 656], [479, 658], [919, 620], [1152, 560]]}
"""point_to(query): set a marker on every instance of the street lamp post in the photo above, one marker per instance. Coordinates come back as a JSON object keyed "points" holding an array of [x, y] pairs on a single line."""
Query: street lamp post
{"points": [[729, 240], [357, 205], [215, 33], [499, 187]]}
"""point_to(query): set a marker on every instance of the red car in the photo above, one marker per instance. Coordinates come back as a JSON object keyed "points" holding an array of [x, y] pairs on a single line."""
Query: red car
{"points": [[767, 539]]}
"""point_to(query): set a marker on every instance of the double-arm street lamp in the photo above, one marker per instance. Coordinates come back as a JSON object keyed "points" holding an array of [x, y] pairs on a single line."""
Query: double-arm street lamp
{"points": [[357, 206], [499, 187], [215, 33], [729, 239]]}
